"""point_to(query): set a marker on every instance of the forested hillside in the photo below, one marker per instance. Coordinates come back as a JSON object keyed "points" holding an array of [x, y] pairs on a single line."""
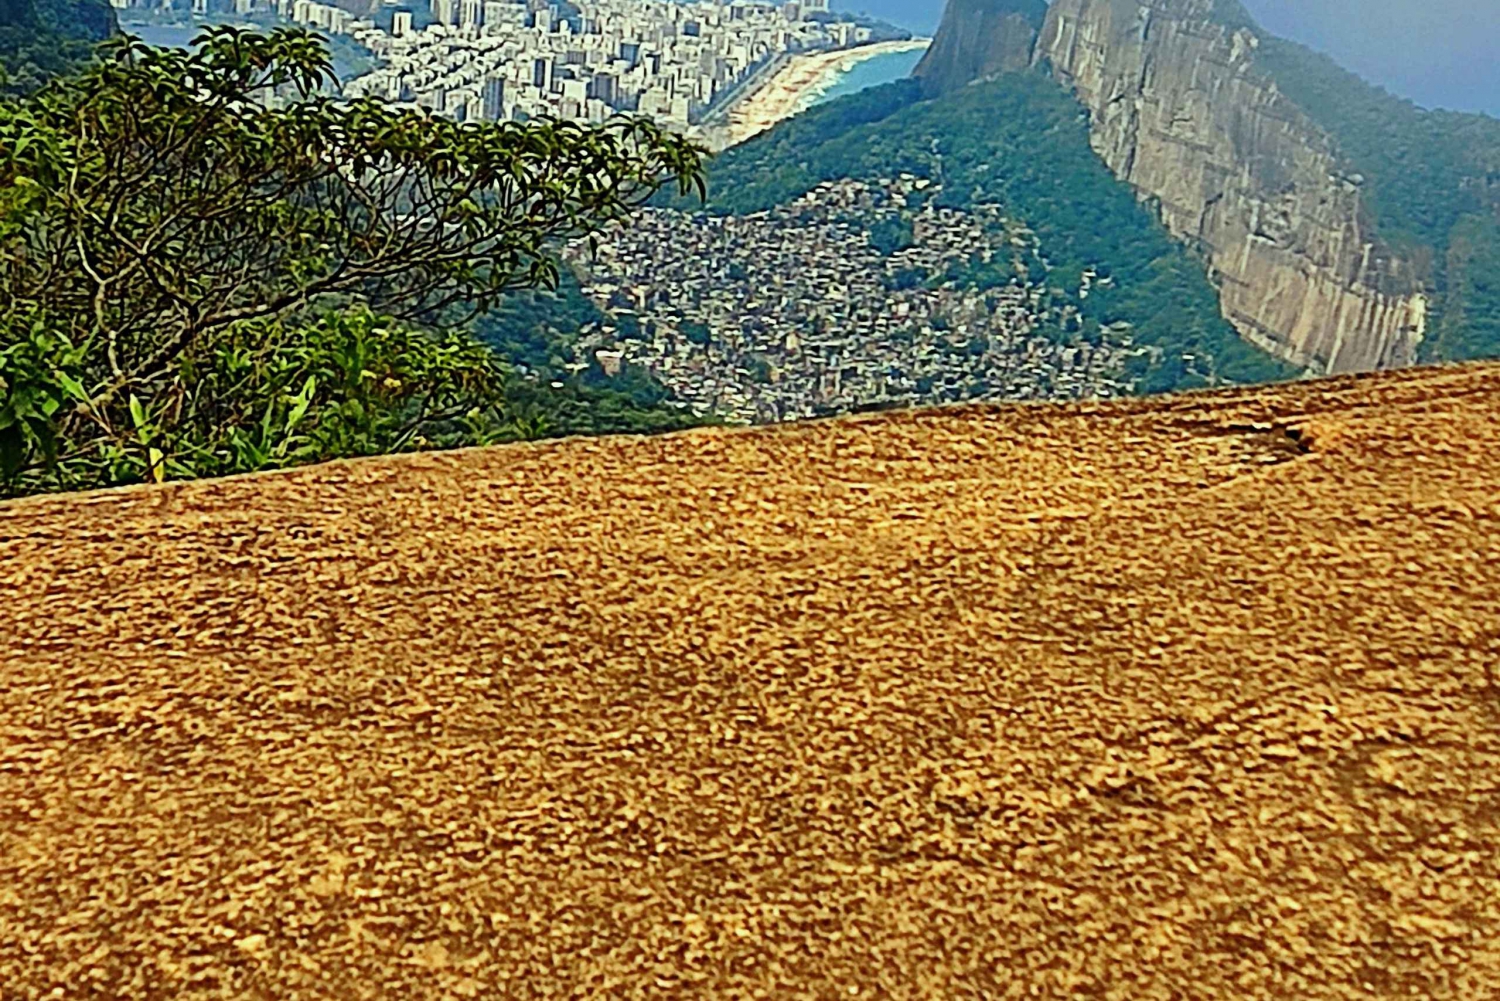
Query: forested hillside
{"points": [[566, 391], [40, 39], [1431, 183], [1021, 144]]}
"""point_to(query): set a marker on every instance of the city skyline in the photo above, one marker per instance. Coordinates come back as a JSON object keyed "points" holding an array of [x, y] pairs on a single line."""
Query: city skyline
{"points": [[490, 59]]}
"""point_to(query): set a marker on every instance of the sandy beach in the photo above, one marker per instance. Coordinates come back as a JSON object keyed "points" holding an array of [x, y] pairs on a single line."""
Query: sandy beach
{"points": [[797, 85]]}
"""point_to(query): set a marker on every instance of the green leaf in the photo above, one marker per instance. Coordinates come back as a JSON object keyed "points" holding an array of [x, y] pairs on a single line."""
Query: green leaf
{"points": [[72, 387], [302, 403]]}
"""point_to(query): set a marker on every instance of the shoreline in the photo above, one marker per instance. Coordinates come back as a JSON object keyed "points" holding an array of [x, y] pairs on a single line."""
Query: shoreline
{"points": [[794, 87]]}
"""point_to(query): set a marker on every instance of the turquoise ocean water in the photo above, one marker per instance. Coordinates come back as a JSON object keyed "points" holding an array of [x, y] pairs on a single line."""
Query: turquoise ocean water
{"points": [[166, 36], [873, 72], [349, 59]]}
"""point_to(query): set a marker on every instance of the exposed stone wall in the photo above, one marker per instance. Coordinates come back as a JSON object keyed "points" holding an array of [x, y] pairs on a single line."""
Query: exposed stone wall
{"points": [[1180, 112], [980, 38]]}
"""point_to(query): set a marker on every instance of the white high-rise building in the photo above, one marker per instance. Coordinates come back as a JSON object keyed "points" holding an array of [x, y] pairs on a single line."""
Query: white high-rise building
{"points": [[502, 16], [519, 59]]}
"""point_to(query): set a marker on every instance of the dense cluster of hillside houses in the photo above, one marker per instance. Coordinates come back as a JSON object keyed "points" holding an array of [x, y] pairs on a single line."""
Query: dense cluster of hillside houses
{"points": [[800, 311], [495, 59]]}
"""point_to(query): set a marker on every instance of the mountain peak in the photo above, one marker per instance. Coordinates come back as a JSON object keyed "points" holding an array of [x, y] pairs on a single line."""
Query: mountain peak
{"points": [[978, 39]]}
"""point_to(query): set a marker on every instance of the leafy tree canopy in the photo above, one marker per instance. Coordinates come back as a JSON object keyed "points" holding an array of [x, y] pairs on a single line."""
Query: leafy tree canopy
{"points": [[193, 244]]}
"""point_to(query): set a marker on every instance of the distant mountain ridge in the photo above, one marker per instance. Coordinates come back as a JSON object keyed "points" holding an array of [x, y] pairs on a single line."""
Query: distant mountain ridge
{"points": [[1348, 230]]}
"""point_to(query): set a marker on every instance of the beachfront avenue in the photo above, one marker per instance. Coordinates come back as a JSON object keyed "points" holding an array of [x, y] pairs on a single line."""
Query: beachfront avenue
{"points": [[679, 63]]}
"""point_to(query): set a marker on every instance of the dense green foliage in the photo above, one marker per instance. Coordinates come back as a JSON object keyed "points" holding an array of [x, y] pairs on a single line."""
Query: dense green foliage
{"points": [[42, 39], [193, 283], [1020, 143], [533, 328], [1468, 316], [535, 332], [270, 394], [1431, 184]]}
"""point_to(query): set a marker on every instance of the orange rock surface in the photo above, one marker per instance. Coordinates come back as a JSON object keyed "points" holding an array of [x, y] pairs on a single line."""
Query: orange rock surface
{"points": [[1189, 698]]}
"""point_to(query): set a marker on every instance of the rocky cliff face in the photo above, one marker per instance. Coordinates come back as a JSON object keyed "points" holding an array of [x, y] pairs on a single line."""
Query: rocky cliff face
{"points": [[980, 38], [1181, 112]]}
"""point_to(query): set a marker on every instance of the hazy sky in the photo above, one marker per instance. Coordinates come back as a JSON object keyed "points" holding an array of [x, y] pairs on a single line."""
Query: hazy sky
{"points": [[1439, 53]]}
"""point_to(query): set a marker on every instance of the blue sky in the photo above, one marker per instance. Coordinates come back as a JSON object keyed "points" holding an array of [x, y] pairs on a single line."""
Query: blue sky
{"points": [[1439, 53]]}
